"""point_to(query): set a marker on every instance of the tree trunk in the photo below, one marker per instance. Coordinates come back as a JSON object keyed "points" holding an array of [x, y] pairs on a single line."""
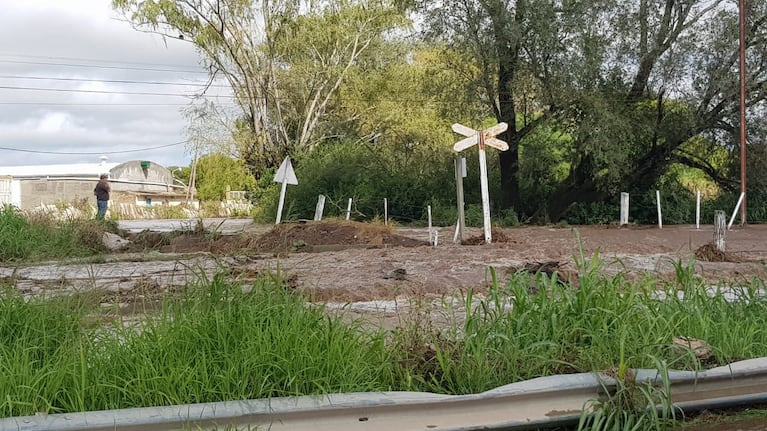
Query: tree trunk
{"points": [[508, 162]]}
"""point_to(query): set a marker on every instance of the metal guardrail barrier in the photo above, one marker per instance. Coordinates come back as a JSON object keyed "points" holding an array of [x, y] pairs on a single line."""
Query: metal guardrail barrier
{"points": [[546, 401]]}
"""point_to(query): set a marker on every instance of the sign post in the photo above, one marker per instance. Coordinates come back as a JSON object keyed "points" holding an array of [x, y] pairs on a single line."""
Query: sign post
{"points": [[482, 138], [284, 175]]}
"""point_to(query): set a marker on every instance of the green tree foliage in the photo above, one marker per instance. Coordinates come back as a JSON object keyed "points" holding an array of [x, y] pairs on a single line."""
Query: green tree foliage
{"points": [[217, 173], [631, 82], [284, 60]]}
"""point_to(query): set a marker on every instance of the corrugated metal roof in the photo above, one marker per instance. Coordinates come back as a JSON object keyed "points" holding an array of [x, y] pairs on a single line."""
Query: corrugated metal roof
{"points": [[42, 171]]}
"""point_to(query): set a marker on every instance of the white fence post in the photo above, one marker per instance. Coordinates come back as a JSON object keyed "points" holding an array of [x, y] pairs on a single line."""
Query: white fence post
{"points": [[624, 209], [320, 208], [737, 207], [697, 211], [660, 215], [349, 209]]}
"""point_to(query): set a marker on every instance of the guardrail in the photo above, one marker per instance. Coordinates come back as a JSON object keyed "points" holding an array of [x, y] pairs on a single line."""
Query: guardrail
{"points": [[541, 402]]}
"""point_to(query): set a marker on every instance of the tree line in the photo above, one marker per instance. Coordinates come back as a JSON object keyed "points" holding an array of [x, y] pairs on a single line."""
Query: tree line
{"points": [[601, 96]]}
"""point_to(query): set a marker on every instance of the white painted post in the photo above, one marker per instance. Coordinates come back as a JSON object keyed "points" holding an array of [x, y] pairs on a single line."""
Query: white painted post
{"points": [[660, 215], [720, 218], [320, 208], [457, 230], [282, 200], [436, 237], [460, 173], [697, 210], [737, 207], [485, 192], [624, 209], [284, 175], [386, 212], [349, 209], [428, 211]]}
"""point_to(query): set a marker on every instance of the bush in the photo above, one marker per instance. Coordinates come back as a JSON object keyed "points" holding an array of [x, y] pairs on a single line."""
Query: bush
{"points": [[40, 236]]}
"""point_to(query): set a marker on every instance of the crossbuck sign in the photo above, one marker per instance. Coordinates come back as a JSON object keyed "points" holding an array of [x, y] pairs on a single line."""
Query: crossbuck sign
{"points": [[482, 138]]}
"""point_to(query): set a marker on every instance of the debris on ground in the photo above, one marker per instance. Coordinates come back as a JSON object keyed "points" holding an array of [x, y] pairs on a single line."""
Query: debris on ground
{"points": [[699, 348], [709, 253], [311, 236], [497, 236]]}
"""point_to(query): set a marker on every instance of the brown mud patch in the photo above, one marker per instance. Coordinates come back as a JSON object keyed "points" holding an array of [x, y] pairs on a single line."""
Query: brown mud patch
{"points": [[709, 253], [329, 236]]}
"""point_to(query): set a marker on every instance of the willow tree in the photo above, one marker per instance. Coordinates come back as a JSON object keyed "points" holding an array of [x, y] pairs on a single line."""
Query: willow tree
{"points": [[284, 59]]}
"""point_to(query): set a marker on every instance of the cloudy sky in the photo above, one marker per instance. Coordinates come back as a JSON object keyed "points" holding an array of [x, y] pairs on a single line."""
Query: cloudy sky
{"points": [[67, 69]]}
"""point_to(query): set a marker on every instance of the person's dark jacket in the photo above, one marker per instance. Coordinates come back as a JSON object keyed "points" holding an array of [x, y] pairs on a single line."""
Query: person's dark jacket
{"points": [[101, 191]]}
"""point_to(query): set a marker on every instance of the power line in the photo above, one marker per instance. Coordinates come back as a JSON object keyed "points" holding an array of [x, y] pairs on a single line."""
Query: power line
{"points": [[46, 63], [93, 60], [90, 153], [113, 81], [98, 104], [129, 93]]}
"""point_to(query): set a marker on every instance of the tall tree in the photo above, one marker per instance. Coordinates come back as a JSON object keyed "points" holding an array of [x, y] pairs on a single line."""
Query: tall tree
{"points": [[630, 81], [283, 59]]}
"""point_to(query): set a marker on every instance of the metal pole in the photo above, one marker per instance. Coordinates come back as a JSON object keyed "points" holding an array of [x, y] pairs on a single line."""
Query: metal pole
{"points": [[742, 13]]}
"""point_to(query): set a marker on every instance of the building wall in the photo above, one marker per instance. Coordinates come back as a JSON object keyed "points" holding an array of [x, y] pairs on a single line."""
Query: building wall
{"points": [[36, 192]]}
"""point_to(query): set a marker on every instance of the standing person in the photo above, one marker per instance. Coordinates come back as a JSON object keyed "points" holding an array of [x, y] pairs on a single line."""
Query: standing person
{"points": [[102, 196]]}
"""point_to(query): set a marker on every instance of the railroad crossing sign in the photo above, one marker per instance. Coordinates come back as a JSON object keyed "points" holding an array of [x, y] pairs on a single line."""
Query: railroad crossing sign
{"points": [[482, 138]]}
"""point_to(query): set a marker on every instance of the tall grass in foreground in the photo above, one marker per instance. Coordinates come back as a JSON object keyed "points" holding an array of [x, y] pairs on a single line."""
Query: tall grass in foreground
{"points": [[40, 236], [214, 343], [537, 326]]}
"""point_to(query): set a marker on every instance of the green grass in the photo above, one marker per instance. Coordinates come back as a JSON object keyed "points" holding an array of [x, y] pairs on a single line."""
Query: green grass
{"points": [[215, 342], [41, 237]]}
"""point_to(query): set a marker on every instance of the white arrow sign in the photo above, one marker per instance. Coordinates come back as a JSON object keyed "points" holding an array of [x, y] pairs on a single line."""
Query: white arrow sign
{"points": [[284, 175], [481, 138]]}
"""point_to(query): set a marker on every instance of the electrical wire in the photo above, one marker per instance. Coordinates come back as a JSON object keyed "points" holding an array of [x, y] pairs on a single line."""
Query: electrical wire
{"points": [[93, 60], [113, 81], [128, 93], [146, 69], [92, 153]]}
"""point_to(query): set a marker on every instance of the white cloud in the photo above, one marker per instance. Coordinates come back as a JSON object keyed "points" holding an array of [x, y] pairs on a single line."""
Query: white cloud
{"points": [[87, 44]]}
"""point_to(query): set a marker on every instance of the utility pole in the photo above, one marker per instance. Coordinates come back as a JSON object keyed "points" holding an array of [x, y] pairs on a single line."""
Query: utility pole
{"points": [[742, 13]]}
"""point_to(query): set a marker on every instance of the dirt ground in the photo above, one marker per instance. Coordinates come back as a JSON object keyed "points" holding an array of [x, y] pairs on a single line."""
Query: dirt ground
{"points": [[349, 262], [375, 266]]}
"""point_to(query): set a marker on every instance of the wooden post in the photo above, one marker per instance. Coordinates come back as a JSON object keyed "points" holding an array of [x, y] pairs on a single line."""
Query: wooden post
{"points": [[697, 210], [461, 223], [428, 211], [720, 218], [349, 209], [660, 215], [386, 212], [282, 200], [320, 208], [485, 192], [624, 209]]}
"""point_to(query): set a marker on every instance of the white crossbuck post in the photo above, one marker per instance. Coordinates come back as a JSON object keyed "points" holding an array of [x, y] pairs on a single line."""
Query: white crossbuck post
{"points": [[481, 138]]}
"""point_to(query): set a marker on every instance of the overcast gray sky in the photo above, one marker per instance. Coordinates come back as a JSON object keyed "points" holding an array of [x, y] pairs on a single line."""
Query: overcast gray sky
{"points": [[56, 60]]}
